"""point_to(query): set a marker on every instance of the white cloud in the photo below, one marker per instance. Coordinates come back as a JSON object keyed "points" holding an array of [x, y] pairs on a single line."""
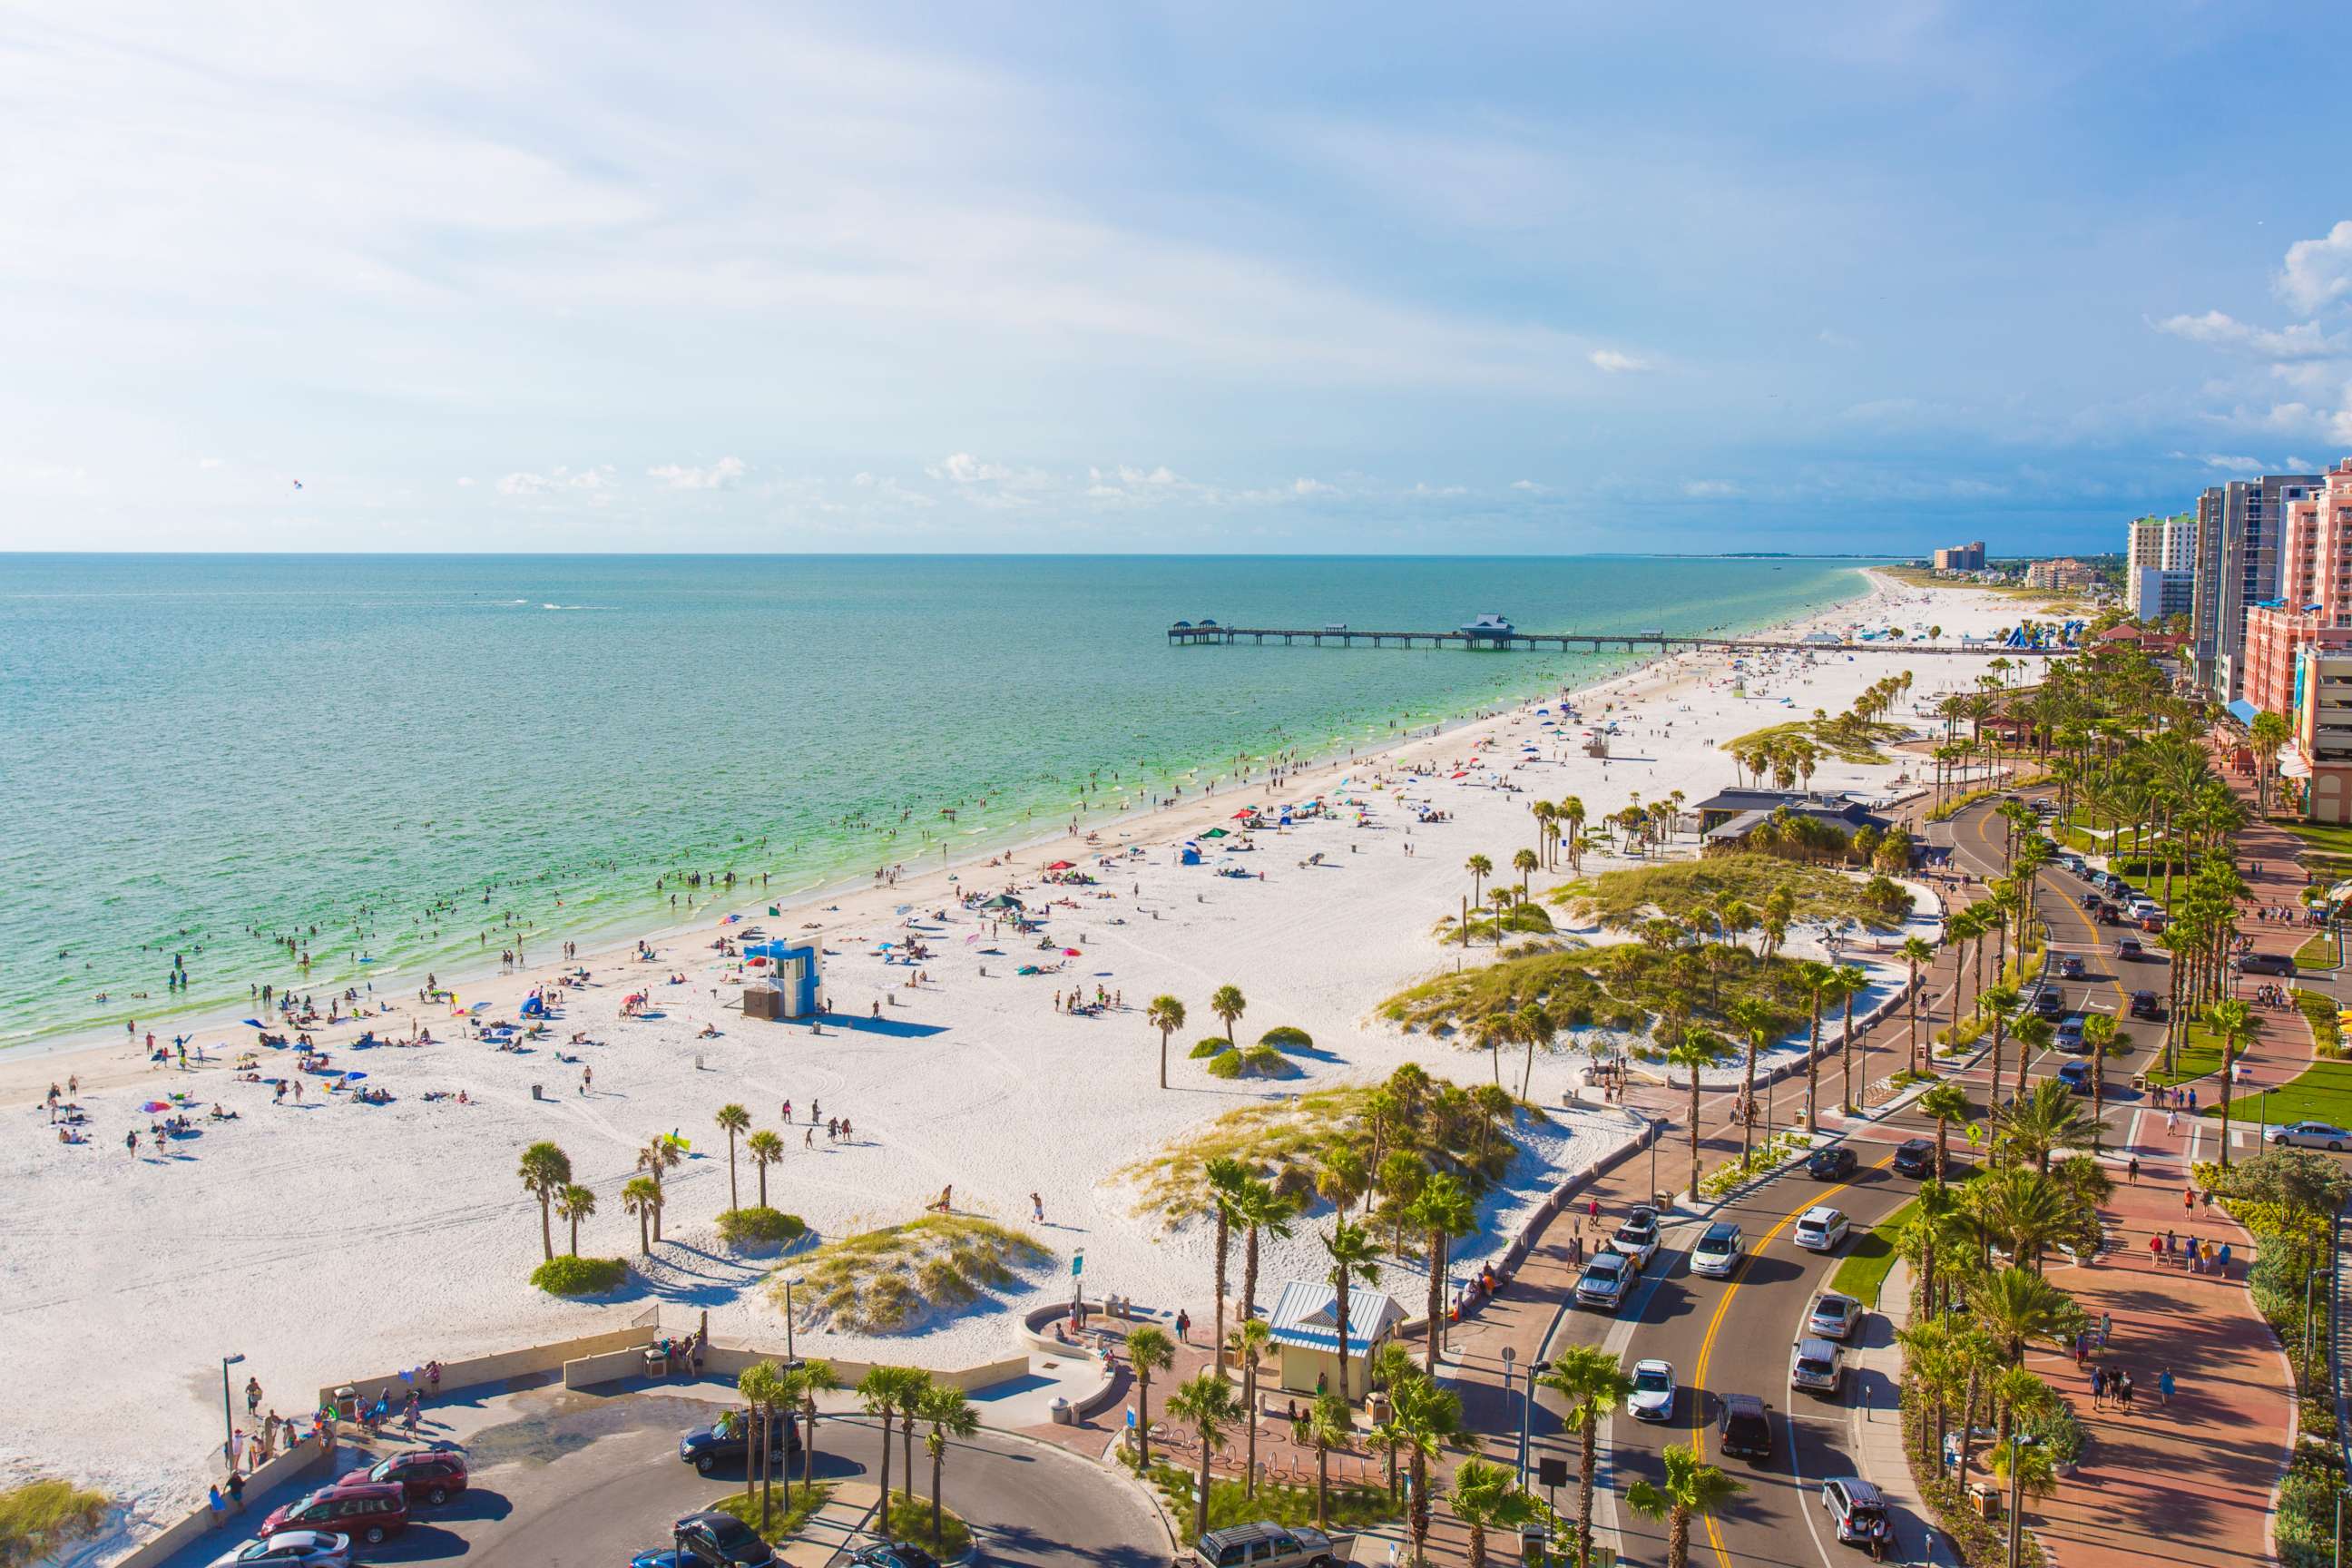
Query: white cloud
{"points": [[555, 479], [963, 468], [464, 483], [212, 462], [1835, 339], [2214, 328], [2230, 464], [719, 476], [1305, 487], [1426, 489], [1530, 487], [1709, 489], [2318, 272], [1614, 362]]}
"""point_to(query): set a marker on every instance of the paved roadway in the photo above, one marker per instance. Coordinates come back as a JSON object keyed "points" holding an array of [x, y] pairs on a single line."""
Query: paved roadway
{"points": [[1735, 1335]]}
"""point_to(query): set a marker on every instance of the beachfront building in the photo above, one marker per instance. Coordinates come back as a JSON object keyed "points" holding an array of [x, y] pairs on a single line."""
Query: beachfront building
{"points": [[1305, 1326], [2154, 594], [2313, 605], [2065, 573], [1969, 557], [2236, 568], [2317, 764], [2160, 566]]}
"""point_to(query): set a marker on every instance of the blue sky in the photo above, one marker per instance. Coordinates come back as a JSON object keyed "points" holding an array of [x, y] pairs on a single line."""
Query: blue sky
{"points": [[1048, 277]]}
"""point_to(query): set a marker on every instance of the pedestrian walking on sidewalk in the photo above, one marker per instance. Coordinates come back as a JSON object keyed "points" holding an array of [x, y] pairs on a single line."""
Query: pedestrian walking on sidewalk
{"points": [[2098, 1388], [2155, 1251], [2132, 1170], [2124, 1391], [2188, 1200], [2172, 1124]]}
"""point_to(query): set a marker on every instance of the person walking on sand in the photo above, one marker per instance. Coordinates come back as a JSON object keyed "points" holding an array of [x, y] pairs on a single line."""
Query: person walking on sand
{"points": [[1037, 1208], [2164, 1387], [587, 1079], [1183, 1326], [252, 1397]]}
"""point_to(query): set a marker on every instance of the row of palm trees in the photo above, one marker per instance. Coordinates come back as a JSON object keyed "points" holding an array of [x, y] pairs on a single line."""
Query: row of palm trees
{"points": [[1166, 1013], [910, 1396], [546, 1175]]}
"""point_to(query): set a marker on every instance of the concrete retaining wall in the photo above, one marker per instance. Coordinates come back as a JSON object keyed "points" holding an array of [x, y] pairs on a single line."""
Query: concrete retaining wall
{"points": [[477, 1371], [286, 1467], [726, 1358]]}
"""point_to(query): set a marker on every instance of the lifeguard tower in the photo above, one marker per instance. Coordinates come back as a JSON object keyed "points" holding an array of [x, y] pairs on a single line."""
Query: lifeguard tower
{"points": [[789, 988]]}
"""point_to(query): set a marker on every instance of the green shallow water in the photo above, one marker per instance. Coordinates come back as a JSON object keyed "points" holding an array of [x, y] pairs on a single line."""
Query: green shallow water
{"points": [[421, 756]]}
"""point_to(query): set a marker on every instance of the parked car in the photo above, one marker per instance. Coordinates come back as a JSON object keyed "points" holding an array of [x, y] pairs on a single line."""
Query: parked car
{"points": [[1638, 1236], [429, 1475], [1833, 1317], [1720, 1247], [369, 1512], [2069, 1037], [290, 1549], [1857, 1513], [1744, 1428], [2070, 967], [1914, 1157], [1817, 1366], [715, 1540], [1607, 1277], [2266, 964], [1822, 1229], [1652, 1398], [729, 1440], [1263, 1545], [2310, 1135], [2147, 1004], [1834, 1164], [898, 1554], [2127, 948]]}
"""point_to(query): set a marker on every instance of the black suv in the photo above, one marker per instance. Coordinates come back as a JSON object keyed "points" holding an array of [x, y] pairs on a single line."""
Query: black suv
{"points": [[1832, 1163], [2050, 1003], [719, 1541], [1914, 1157], [2147, 1004], [727, 1441]]}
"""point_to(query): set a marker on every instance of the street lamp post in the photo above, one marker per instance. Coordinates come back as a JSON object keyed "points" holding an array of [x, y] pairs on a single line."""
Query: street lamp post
{"points": [[1510, 1356], [228, 1416]]}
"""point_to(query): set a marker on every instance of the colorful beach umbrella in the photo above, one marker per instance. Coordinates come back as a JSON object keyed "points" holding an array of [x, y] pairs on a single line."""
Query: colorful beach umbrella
{"points": [[152, 1106]]}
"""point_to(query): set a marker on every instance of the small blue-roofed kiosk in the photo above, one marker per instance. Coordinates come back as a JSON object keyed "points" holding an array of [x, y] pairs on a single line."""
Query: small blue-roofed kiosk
{"points": [[791, 981]]}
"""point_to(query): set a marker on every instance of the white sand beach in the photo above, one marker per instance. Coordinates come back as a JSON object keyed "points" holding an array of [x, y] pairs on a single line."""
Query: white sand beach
{"points": [[335, 1239]]}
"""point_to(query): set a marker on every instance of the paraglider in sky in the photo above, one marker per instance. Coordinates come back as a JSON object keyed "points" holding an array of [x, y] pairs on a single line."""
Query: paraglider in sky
{"points": [[298, 484]]}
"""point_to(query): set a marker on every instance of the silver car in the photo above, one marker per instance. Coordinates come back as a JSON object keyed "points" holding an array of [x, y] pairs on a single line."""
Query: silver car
{"points": [[1652, 1398], [290, 1549], [1817, 1365], [2310, 1135], [1833, 1317]]}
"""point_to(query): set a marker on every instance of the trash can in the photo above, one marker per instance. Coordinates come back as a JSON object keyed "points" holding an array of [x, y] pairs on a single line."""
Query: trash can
{"points": [[1986, 1500], [1064, 1415], [347, 1402]]}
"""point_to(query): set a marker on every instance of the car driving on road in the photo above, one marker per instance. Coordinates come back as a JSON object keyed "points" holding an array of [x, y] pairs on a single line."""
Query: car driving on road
{"points": [[1822, 1229], [1652, 1398], [1638, 1236], [2070, 967], [1718, 1251], [1834, 1163], [1607, 1277], [1744, 1428], [2050, 1004], [2069, 1037], [2310, 1135], [2127, 948], [2147, 1004], [1914, 1157], [1817, 1366], [1833, 1317]]}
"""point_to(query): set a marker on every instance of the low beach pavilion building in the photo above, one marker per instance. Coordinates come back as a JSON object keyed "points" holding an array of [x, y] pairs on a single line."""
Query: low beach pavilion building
{"points": [[1305, 1326]]}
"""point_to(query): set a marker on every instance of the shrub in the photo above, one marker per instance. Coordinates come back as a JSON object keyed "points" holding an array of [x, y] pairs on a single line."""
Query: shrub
{"points": [[1286, 1037], [1211, 1047], [737, 1227], [40, 1518], [1225, 1064], [569, 1276]]}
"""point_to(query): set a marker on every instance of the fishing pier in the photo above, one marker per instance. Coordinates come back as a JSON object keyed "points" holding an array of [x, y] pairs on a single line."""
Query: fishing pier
{"points": [[1494, 633]]}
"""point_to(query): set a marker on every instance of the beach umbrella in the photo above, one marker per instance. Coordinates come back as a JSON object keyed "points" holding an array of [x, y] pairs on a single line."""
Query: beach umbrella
{"points": [[153, 1106], [354, 1077], [1059, 865], [254, 1023], [1069, 953]]}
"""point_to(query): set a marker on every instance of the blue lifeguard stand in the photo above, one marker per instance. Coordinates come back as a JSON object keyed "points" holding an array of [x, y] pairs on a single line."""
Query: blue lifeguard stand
{"points": [[793, 974]]}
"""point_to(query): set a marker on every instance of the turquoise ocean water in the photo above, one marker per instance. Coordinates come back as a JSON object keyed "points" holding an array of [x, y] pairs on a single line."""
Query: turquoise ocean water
{"points": [[421, 756]]}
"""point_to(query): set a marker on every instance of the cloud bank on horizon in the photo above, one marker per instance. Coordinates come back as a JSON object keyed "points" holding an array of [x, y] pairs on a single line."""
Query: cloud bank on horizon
{"points": [[1051, 276]]}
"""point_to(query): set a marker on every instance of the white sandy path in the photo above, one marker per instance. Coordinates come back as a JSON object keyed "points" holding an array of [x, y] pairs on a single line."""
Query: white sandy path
{"points": [[338, 1240]]}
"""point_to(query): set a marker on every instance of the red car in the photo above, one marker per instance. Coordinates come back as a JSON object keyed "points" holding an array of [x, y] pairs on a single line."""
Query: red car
{"points": [[429, 1475], [373, 1512]]}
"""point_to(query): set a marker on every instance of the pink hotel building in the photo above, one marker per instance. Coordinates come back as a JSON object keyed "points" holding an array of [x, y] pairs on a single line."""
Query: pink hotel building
{"points": [[2299, 646]]}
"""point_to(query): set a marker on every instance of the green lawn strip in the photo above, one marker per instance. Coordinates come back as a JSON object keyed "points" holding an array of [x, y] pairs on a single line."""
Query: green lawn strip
{"points": [[2319, 952], [1352, 1508], [792, 1507], [910, 1519], [2200, 1055], [1869, 1255], [2323, 1092], [2329, 839]]}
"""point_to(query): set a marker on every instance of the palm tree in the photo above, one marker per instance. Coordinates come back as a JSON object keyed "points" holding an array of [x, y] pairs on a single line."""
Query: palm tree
{"points": [[1848, 982], [1149, 1352], [1524, 862], [766, 1149], [2034, 1035], [1262, 1212], [1480, 869], [804, 1383], [1445, 1210], [661, 1154], [949, 1415], [1354, 1256], [1487, 1495], [642, 1197], [914, 1387], [2027, 1470], [1205, 1402], [1916, 955], [1947, 1103], [1994, 1008], [1594, 1382], [545, 1172], [2046, 1121], [2016, 1308], [1535, 1028], [1165, 1014], [1327, 1425], [732, 1119], [575, 1203], [878, 1393], [1226, 1179], [1572, 810], [1228, 1004], [1756, 1022], [1425, 1417], [2233, 1025], [762, 1388], [1248, 1342], [1818, 979], [1691, 1489], [1694, 1052]]}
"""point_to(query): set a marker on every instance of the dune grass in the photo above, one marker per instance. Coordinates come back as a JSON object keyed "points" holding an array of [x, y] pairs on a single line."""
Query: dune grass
{"points": [[901, 1277], [1623, 987], [39, 1519], [1839, 735], [1623, 900]]}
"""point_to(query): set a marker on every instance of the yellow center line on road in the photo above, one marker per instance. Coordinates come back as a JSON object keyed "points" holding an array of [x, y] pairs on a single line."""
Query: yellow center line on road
{"points": [[1715, 1325]]}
